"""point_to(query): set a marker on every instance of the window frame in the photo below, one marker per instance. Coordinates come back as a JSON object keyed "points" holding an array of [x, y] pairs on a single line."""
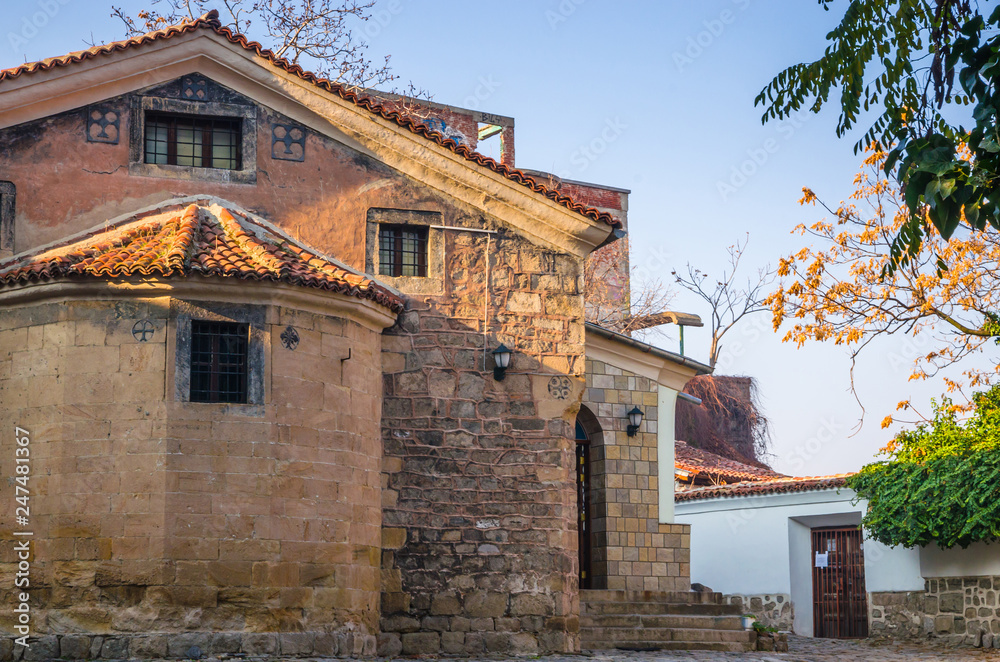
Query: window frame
{"points": [[431, 222], [216, 331], [208, 126], [141, 106], [182, 313], [398, 251]]}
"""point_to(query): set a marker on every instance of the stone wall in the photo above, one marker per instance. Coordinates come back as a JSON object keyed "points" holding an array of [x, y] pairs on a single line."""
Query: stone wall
{"points": [[962, 608], [774, 611], [480, 504], [896, 614], [161, 525], [632, 550]]}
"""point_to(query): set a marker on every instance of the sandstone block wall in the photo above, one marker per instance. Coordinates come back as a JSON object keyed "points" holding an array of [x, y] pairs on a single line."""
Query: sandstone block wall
{"points": [[480, 505], [160, 525], [631, 549]]}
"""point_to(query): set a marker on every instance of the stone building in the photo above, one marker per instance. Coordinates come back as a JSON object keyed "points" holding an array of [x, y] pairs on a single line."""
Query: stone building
{"points": [[247, 330]]}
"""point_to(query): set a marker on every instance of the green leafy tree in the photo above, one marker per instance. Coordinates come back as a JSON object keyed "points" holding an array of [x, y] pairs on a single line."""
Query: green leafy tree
{"points": [[898, 58], [940, 482]]}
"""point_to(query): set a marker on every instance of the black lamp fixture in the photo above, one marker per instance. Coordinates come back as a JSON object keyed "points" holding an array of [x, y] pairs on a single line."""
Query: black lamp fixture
{"points": [[501, 356], [634, 421]]}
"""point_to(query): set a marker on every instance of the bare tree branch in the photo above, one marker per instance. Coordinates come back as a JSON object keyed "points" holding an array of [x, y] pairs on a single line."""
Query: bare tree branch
{"points": [[729, 301]]}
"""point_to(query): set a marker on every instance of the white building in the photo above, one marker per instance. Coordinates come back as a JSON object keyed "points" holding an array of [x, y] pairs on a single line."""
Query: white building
{"points": [[792, 552]]}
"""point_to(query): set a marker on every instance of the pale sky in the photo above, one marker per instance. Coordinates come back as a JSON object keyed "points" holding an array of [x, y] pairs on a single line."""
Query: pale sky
{"points": [[656, 97]]}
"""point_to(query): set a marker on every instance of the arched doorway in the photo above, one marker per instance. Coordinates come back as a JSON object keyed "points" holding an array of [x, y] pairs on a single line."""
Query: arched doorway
{"points": [[587, 431]]}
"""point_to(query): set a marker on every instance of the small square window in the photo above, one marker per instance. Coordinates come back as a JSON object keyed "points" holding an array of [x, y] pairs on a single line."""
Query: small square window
{"points": [[402, 250], [219, 361], [201, 142]]}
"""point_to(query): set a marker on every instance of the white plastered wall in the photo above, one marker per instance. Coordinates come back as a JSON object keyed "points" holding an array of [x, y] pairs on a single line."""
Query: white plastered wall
{"points": [[977, 560], [666, 406], [761, 545]]}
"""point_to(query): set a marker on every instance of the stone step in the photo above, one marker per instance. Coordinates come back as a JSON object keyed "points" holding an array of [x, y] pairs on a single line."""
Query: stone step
{"points": [[653, 608], [662, 621], [613, 637], [715, 646], [676, 597]]}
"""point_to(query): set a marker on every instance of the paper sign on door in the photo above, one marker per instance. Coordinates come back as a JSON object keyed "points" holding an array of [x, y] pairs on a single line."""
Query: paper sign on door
{"points": [[821, 560]]}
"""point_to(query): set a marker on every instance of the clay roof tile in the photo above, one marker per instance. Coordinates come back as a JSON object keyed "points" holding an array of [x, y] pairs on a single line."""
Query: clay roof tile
{"points": [[758, 488], [178, 243]]}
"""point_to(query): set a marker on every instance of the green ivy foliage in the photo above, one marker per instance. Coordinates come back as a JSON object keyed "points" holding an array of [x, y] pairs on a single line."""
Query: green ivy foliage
{"points": [[899, 58], [940, 482]]}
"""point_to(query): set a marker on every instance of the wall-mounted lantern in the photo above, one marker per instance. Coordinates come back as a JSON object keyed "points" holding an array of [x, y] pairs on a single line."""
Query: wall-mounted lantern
{"points": [[501, 356], [634, 421]]}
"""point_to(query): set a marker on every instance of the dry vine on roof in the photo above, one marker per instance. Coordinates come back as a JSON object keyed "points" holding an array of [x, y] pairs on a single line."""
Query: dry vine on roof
{"points": [[729, 422]]}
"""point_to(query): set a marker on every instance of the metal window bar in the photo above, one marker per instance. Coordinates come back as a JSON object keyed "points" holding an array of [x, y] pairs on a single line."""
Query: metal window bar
{"points": [[402, 250], [840, 600], [193, 141], [219, 361]]}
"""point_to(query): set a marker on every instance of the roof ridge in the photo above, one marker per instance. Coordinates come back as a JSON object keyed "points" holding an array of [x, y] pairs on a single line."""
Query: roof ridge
{"points": [[211, 21]]}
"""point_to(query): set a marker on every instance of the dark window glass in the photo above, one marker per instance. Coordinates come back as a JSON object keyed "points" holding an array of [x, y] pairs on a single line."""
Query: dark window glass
{"points": [[193, 141], [402, 250], [219, 361]]}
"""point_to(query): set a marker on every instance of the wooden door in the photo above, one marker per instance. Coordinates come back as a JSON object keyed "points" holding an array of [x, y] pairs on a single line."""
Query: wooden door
{"points": [[840, 602], [583, 503]]}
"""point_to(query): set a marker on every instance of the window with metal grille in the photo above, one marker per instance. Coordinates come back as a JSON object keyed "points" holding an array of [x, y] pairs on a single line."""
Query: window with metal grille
{"points": [[193, 141], [402, 250], [219, 361]]}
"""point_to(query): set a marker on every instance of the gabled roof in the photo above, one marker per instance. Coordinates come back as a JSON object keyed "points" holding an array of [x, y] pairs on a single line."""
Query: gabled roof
{"points": [[699, 462], [194, 240], [777, 486], [210, 21]]}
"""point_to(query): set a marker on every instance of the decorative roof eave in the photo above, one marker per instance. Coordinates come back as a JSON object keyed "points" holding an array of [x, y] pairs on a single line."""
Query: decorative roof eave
{"points": [[202, 288], [666, 368], [763, 488], [59, 84]]}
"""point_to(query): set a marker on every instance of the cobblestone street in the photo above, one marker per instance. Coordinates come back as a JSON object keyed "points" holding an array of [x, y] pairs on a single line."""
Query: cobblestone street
{"points": [[801, 649], [807, 649]]}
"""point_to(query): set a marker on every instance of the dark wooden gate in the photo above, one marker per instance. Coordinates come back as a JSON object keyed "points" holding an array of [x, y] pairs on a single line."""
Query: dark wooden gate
{"points": [[840, 603], [583, 504]]}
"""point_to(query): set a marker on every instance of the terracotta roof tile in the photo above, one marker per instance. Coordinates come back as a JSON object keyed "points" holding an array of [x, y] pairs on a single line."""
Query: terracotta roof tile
{"points": [[210, 21], [757, 488], [193, 241], [697, 461]]}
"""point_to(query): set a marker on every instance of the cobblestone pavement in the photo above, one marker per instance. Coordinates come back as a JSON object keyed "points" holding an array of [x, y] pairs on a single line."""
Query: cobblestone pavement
{"points": [[800, 649], [807, 649]]}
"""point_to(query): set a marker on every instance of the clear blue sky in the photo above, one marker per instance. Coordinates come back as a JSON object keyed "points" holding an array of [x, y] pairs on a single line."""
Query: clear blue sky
{"points": [[673, 84]]}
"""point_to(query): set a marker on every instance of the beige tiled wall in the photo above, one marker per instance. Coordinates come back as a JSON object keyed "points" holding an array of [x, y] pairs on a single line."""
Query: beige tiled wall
{"points": [[631, 549]]}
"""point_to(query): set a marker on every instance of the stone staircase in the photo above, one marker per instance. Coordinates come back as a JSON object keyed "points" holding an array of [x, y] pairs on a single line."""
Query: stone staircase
{"points": [[648, 620]]}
